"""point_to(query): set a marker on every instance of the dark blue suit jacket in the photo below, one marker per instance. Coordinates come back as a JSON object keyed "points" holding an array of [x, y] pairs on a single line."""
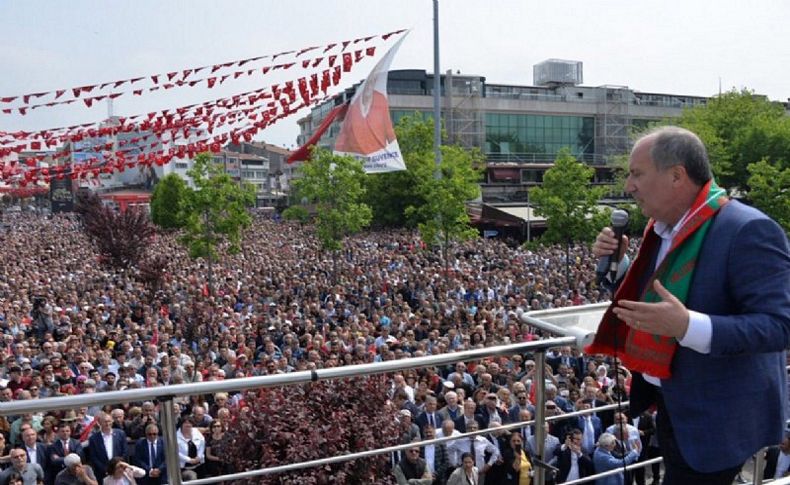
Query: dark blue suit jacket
{"points": [[141, 459], [55, 455], [97, 454], [728, 404], [41, 455]]}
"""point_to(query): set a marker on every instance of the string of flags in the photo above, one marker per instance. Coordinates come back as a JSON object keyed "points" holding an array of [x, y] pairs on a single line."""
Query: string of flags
{"points": [[141, 140], [185, 77]]}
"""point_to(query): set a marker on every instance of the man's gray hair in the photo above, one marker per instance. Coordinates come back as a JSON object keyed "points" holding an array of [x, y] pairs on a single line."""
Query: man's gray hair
{"points": [[606, 440], [678, 146]]}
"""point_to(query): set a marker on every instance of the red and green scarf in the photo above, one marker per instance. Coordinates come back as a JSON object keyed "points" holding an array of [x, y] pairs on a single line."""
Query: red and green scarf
{"points": [[641, 351]]}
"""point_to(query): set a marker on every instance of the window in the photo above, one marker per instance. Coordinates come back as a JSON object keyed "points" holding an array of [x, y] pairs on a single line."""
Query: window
{"points": [[529, 137]]}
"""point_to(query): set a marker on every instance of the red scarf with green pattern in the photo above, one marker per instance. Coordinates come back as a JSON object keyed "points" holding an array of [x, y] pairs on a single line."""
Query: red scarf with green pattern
{"points": [[639, 350]]}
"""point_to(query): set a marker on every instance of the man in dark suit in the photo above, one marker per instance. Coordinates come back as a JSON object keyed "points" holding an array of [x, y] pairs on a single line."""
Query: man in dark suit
{"points": [[468, 416], [149, 454], [571, 461], [429, 417], [58, 450], [777, 460], [705, 303], [36, 451], [105, 445], [589, 426]]}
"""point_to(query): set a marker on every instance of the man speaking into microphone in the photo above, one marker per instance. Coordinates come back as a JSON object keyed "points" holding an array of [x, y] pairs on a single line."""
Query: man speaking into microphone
{"points": [[702, 315]]}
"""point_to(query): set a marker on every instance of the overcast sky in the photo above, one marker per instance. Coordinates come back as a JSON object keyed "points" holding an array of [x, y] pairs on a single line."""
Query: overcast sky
{"points": [[665, 46]]}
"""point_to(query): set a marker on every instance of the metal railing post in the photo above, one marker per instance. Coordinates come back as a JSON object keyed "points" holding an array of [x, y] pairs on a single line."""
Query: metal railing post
{"points": [[539, 380], [759, 466], [171, 443]]}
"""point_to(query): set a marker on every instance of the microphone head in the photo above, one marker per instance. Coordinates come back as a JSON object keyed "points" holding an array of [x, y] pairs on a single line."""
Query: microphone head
{"points": [[619, 218]]}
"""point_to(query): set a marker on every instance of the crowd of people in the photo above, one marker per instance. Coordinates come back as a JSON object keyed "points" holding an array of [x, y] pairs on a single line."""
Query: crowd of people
{"points": [[71, 326]]}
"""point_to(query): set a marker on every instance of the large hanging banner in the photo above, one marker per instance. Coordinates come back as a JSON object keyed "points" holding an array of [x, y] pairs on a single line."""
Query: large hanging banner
{"points": [[61, 195], [367, 133]]}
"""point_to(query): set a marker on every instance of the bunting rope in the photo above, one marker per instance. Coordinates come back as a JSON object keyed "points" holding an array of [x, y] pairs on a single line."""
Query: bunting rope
{"points": [[184, 74]]}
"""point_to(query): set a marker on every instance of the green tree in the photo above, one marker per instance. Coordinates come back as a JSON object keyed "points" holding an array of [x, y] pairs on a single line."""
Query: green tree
{"points": [[167, 202], [441, 215], [740, 128], [389, 194], [335, 186], [568, 201], [770, 190], [296, 213], [215, 211]]}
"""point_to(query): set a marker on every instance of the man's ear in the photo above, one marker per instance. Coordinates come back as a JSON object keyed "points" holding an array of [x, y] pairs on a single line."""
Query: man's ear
{"points": [[679, 174]]}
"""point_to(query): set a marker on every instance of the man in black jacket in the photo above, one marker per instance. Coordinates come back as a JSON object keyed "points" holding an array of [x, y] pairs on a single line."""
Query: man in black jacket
{"points": [[571, 461]]}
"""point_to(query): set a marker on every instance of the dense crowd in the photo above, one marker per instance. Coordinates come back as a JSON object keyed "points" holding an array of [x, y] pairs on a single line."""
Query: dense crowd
{"points": [[71, 326]]}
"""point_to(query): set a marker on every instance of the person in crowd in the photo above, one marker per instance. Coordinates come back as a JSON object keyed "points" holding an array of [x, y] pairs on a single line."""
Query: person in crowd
{"points": [[413, 470], [31, 473], [36, 451], [605, 459], [777, 460], [516, 466], [572, 462], [435, 456], [466, 474], [685, 308], [104, 445], [59, 450], [75, 473], [121, 473], [191, 450], [216, 450], [149, 454]]}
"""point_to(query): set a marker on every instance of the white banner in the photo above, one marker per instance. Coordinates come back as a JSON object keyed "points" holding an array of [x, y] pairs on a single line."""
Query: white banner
{"points": [[366, 132]]}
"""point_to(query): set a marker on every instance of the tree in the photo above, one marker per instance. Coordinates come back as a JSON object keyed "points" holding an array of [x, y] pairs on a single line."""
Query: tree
{"points": [[389, 194], [740, 128], [770, 190], [215, 211], [569, 202], [335, 186], [121, 238], [296, 213], [167, 202], [317, 420], [441, 216]]}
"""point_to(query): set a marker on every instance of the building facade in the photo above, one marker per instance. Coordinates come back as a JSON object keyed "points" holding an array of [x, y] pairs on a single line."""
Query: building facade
{"points": [[520, 129]]}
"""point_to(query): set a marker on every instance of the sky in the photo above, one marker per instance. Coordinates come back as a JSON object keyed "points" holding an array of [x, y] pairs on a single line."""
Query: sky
{"points": [[668, 46]]}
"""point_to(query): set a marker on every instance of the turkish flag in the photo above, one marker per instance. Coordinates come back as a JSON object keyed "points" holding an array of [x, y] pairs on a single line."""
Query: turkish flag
{"points": [[347, 61], [314, 84], [325, 80]]}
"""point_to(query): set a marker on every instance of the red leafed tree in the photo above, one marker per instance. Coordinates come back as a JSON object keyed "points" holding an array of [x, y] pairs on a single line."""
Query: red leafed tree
{"points": [[121, 237], [318, 420]]}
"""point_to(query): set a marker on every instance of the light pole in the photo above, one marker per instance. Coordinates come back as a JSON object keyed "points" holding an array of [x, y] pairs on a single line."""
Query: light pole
{"points": [[437, 115]]}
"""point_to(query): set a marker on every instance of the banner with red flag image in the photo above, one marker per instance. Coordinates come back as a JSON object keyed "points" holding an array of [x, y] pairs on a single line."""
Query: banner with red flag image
{"points": [[366, 132]]}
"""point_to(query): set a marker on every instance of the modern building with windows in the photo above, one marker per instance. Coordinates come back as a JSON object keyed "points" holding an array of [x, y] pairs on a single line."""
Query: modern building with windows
{"points": [[520, 129]]}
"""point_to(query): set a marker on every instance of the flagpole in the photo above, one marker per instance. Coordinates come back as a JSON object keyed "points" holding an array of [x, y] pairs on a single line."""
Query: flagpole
{"points": [[437, 115]]}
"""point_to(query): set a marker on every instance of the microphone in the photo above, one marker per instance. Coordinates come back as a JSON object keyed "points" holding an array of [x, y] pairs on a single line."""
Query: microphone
{"points": [[611, 263]]}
